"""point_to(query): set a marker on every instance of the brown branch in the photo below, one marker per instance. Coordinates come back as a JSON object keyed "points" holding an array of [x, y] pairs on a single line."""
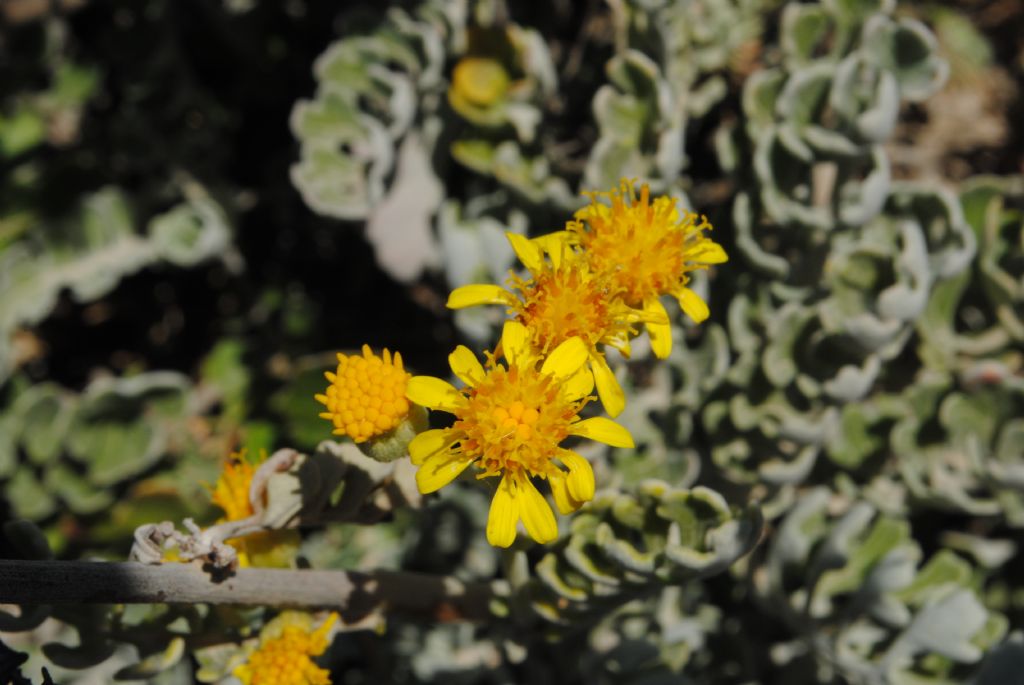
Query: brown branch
{"points": [[355, 595]]}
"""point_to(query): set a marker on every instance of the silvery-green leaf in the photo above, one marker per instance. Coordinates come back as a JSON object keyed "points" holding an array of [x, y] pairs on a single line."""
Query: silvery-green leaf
{"points": [[399, 227], [80, 496], [804, 29], [28, 498], [42, 413], [944, 626], [191, 232], [156, 663], [909, 49]]}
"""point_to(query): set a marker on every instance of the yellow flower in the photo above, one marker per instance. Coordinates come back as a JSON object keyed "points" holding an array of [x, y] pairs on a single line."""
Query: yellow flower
{"points": [[564, 299], [285, 647], [366, 397], [275, 548], [510, 421], [478, 82], [231, 492], [648, 248]]}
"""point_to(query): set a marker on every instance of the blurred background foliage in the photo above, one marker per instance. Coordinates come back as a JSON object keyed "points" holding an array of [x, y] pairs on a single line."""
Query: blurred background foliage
{"points": [[201, 201]]}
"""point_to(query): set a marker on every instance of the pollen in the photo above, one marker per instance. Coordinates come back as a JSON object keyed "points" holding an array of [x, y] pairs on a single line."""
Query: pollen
{"points": [[284, 654], [366, 395]]}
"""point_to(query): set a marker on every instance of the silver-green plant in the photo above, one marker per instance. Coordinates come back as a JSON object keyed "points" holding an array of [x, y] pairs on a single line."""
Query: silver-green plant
{"points": [[828, 478]]}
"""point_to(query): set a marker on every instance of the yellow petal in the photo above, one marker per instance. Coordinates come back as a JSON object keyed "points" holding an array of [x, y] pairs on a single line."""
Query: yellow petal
{"points": [[660, 333], [529, 253], [608, 388], [439, 470], [536, 512], [429, 443], [709, 253], [566, 359], [503, 516], [580, 480], [477, 294], [434, 393], [579, 385], [620, 346], [691, 303], [466, 366], [654, 312], [556, 246], [554, 242], [560, 492], [604, 430], [515, 343]]}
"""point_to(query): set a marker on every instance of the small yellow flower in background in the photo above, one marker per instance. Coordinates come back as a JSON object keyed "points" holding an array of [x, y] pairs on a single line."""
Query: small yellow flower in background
{"points": [[285, 649], [231, 492], [510, 421], [271, 548], [366, 397], [648, 248], [563, 299], [478, 82]]}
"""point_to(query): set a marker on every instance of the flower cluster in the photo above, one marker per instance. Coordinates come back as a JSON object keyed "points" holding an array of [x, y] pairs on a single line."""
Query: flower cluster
{"points": [[273, 548], [591, 286]]}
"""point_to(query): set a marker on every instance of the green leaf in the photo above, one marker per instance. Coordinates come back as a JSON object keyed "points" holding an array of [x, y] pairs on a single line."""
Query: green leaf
{"points": [[300, 412], [28, 498], [21, 132]]}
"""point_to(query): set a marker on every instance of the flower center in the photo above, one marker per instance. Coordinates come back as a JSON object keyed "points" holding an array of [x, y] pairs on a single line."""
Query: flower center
{"points": [[514, 420], [366, 397], [643, 245], [558, 304]]}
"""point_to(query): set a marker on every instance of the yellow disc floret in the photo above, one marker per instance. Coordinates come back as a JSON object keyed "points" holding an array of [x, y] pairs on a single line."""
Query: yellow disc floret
{"points": [[514, 419], [366, 397], [283, 655], [565, 301]]}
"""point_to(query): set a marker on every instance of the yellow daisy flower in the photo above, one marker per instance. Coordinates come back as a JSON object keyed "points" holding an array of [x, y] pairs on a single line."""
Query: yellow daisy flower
{"points": [[648, 248], [274, 548], [563, 299], [510, 420], [283, 656], [231, 492], [366, 397]]}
